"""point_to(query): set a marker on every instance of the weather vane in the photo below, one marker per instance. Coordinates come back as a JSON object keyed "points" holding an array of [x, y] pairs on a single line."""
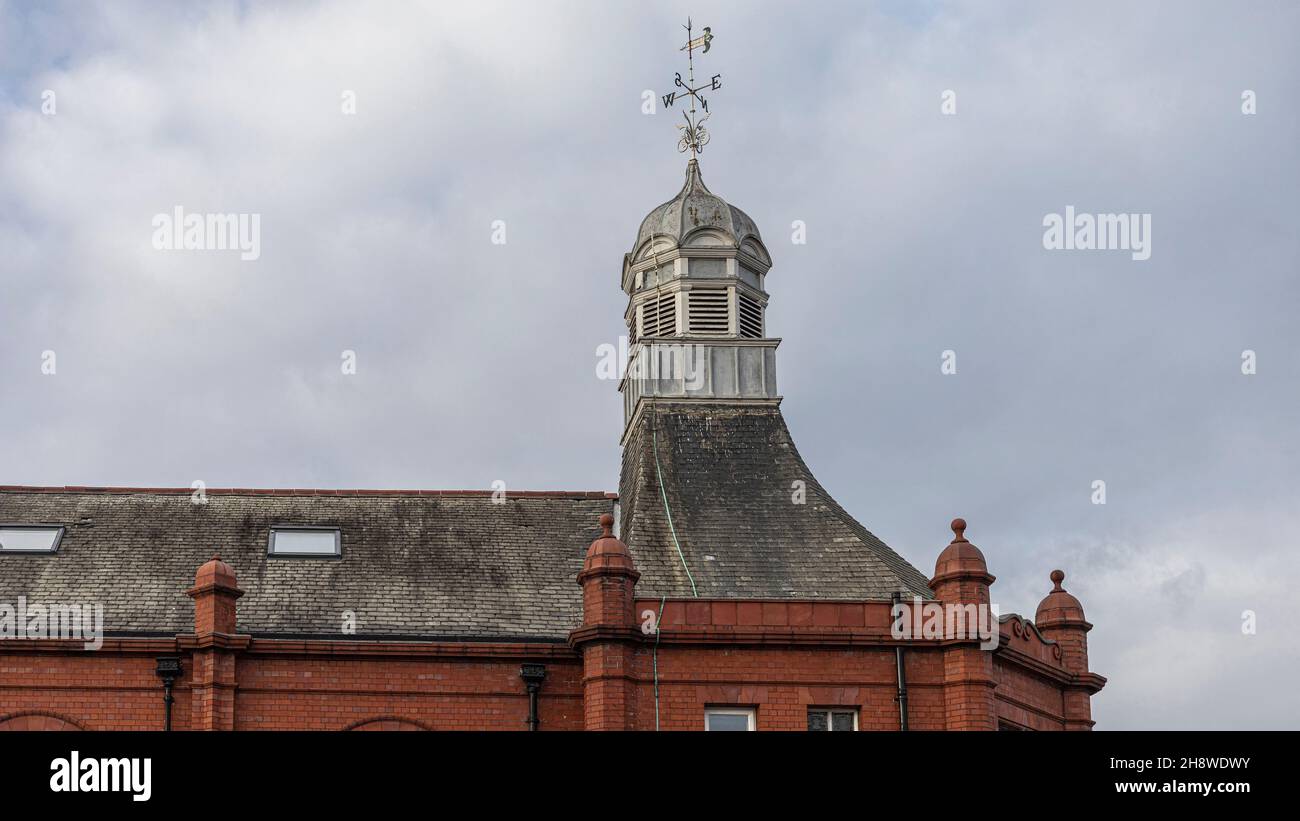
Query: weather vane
{"points": [[694, 135]]}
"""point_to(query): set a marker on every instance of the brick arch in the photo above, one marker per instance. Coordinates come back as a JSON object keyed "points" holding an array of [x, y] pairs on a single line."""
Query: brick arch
{"points": [[386, 724], [36, 720]]}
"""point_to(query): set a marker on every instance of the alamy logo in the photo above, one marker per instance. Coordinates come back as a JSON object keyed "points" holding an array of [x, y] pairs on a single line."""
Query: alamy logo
{"points": [[1098, 232], [179, 231], [75, 774], [673, 361], [920, 619], [55, 621]]}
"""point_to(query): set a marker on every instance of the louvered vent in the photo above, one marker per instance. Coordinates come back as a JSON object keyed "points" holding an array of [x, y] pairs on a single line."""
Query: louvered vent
{"points": [[708, 312], [751, 318], [659, 316]]}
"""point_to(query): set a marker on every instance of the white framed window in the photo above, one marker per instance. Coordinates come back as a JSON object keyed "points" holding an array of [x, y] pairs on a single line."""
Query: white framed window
{"points": [[832, 719], [724, 719], [30, 538], [294, 540]]}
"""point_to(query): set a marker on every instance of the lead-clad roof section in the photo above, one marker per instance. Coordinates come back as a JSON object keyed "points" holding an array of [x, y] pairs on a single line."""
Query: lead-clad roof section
{"points": [[695, 208]]}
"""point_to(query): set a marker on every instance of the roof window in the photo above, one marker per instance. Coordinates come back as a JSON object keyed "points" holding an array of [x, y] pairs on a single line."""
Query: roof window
{"points": [[30, 538], [289, 540]]}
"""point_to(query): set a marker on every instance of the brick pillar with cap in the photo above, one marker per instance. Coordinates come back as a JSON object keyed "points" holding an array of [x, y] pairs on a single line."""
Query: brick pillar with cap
{"points": [[609, 634], [214, 645], [1060, 618], [961, 577]]}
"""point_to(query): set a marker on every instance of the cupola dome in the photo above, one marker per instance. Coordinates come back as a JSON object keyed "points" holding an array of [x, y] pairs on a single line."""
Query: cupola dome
{"points": [[696, 216]]}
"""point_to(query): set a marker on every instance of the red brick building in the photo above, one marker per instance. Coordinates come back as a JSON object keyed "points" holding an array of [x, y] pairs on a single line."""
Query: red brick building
{"points": [[721, 588]]}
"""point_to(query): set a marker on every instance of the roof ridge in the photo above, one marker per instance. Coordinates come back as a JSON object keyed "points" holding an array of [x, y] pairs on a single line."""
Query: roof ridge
{"points": [[585, 494]]}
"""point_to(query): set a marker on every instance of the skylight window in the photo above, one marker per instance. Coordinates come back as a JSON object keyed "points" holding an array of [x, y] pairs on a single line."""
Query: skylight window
{"points": [[305, 541], [30, 538]]}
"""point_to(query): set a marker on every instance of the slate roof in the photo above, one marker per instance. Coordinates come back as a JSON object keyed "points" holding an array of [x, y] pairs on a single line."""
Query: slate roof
{"points": [[454, 565], [421, 564], [728, 473]]}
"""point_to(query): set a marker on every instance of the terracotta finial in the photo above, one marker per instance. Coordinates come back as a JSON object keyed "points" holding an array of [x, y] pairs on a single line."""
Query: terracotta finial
{"points": [[216, 557], [959, 529], [607, 556], [1059, 610]]}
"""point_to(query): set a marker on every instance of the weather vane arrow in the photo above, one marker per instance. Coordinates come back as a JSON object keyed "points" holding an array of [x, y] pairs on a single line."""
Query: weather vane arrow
{"points": [[694, 136]]}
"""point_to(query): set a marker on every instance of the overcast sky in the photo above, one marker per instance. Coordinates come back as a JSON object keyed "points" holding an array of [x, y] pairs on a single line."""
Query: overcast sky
{"points": [[476, 361]]}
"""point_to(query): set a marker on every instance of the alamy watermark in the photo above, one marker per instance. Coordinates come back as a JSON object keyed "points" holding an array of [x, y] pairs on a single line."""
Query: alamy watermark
{"points": [[685, 362], [179, 231], [77, 774], [55, 621], [1098, 232], [921, 619]]}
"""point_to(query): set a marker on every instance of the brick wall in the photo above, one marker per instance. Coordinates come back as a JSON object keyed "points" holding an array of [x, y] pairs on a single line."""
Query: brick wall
{"points": [[102, 690], [275, 687], [779, 657], [295, 685]]}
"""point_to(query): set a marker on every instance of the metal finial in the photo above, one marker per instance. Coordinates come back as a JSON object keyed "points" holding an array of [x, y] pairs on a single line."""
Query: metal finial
{"points": [[694, 136]]}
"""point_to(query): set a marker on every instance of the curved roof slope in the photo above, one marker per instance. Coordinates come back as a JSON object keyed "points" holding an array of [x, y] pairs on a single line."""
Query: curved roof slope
{"points": [[414, 564], [728, 474]]}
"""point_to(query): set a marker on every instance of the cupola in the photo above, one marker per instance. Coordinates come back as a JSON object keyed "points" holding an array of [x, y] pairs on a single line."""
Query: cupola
{"points": [[696, 303]]}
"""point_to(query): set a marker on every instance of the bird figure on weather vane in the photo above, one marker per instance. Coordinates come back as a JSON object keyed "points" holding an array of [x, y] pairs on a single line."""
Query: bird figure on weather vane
{"points": [[693, 135]]}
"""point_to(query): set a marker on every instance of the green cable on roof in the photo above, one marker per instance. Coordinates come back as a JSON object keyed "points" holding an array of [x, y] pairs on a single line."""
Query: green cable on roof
{"points": [[654, 435]]}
